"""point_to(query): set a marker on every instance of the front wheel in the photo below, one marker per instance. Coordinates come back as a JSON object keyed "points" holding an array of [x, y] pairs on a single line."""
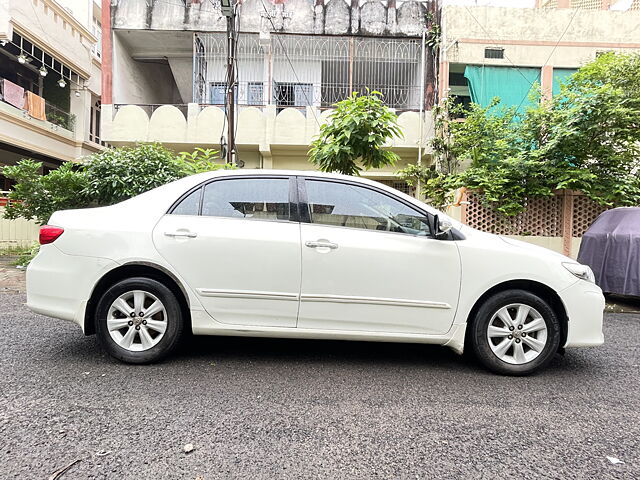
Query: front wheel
{"points": [[139, 320], [515, 333]]}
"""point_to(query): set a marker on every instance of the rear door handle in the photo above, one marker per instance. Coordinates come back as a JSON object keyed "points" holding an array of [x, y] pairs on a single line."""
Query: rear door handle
{"points": [[321, 244], [181, 233]]}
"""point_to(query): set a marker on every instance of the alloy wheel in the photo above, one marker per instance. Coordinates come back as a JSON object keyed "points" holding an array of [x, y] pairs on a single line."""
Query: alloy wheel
{"points": [[137, 320], [517, 333]]}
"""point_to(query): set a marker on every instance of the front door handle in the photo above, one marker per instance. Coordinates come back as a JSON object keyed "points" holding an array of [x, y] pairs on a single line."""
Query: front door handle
{"points": [[181, 233], [321, 244]]}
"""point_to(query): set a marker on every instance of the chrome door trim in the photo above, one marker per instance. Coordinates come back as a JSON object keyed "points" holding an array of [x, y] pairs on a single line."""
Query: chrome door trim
{"points": [[210, 292], [373, 301], [321, 244]]}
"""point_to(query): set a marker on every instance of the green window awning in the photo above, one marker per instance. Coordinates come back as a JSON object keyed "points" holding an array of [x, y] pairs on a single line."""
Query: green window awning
{"points": [[512, 85]]}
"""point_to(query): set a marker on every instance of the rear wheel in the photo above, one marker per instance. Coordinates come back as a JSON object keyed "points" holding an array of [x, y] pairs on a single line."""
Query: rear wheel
{"points": [[515, 333], [139, 320]]}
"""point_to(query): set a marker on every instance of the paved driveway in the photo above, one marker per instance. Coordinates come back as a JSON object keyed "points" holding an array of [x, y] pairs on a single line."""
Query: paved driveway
{"points": [[309, 409]]}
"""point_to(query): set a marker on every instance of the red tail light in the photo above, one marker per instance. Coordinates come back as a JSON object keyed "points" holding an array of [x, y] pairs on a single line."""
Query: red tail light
{"points": [[49, 234]]}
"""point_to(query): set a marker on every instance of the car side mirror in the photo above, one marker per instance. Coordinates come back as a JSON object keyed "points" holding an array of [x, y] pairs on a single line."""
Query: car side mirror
{"points": [[442, 227]]}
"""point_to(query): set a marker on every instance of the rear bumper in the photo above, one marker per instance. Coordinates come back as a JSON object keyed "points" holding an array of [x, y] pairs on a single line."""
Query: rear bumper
{"points": [[59, 285], [584, 303]]}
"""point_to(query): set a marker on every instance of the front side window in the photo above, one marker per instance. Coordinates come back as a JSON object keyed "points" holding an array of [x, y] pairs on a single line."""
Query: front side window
{"points": [[250, 198], [345, 205]]}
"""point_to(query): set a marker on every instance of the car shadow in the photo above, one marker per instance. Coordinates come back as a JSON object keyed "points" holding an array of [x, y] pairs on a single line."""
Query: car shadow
{"points": [[268, 352], [306, 350]]}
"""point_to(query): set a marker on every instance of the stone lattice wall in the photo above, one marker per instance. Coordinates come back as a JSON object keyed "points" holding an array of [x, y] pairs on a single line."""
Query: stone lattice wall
{"points": [[543, 216]]}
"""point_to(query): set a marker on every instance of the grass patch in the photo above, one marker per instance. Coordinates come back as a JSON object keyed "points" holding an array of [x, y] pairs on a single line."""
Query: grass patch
{"points": [[24, 254]]}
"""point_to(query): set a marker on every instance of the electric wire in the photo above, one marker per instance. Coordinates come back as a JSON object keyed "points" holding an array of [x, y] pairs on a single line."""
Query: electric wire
{"points": [[531, 84], [549, 57], [284, 50]]}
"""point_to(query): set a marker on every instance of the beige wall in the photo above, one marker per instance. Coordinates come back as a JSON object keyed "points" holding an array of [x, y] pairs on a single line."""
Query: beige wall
{"points": [[140, 82], [67, 38], [17, 128], [529, 36], [277, 140], [56, 30], [17, 233]]}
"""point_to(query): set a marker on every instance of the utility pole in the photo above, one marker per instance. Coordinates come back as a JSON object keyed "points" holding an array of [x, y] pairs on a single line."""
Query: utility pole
{"points": [[228, 10]]}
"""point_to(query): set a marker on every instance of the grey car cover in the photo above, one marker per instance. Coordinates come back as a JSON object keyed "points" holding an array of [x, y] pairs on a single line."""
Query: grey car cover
{"points": [[611, 247]]}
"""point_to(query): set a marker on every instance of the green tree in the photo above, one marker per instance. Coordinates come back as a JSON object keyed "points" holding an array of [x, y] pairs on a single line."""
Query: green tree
{"points": [[36, 196], [201, 160], [587, 138], [105, 178], [116, 174], [353, 139]]}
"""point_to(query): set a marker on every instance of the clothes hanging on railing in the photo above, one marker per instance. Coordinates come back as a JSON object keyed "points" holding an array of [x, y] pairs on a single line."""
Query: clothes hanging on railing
{"points": [[35, 106], [13, 94]]}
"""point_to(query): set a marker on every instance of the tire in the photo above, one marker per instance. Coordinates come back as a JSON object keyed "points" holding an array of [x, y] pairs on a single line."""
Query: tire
{"points": [[509, 349], [139, 339]]}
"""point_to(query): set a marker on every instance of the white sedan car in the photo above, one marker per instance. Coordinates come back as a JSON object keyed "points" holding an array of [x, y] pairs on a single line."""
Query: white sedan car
{"points": [[306, 255]]}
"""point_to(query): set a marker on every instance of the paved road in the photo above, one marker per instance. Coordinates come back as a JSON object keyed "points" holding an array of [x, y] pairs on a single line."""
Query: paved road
{"points": [[309, 409]]}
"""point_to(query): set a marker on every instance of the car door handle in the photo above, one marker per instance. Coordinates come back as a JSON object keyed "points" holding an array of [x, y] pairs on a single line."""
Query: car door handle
{"points": [[321, 244], [181, 234]]}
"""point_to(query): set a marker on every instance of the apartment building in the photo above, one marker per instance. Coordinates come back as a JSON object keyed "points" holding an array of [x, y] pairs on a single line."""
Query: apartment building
{"points": [[489, 51], [295, 59], [50, 81]]}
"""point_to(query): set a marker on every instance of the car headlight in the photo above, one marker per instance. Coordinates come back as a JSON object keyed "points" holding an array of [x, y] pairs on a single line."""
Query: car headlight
{"points": [[581, 271]]}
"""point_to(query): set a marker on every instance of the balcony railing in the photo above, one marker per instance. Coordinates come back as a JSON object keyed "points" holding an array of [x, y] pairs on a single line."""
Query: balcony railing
{"points": [[54, 115], [59, 117]]}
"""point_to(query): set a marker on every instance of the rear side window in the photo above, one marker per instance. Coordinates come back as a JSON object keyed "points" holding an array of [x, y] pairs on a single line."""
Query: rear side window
{"points": [[248, 198], [190, 205]]}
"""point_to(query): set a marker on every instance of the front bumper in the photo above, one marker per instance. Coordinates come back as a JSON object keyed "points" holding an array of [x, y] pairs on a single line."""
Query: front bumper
{"points": [[584, 303], [59, 285]]}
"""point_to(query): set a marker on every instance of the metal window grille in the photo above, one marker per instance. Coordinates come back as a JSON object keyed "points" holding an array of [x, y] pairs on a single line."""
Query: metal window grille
{"points": [[96, 29], [492, 52], [399, 185], [310, 70]]}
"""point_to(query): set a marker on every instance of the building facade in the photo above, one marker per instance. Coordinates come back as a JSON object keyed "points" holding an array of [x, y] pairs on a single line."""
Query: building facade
{"points": [[294, 60], [50, 81], [491, 51]]}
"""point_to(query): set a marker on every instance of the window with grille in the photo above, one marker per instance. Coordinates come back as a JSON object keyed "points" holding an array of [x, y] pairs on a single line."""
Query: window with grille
{"points": [[96, 49], [255, 93], [399, 185], [311, 70], [94, 121], [287, 94], [492, 52]]}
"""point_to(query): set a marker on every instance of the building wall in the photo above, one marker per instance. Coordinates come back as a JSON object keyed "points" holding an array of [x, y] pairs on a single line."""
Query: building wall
{"points": [[287, 133], [55, 29], [335, 17], [141, 82], [535, 37]]}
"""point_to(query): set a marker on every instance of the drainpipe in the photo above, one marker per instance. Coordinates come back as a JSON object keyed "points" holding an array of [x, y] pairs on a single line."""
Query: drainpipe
{"points": [[421, 118]]}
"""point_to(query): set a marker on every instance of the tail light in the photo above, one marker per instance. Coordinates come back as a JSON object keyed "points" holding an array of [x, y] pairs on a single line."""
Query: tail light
{"points": [[49, 234]]}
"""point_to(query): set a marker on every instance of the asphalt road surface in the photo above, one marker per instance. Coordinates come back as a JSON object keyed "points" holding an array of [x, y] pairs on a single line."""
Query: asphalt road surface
{"points": [[310, 409]]}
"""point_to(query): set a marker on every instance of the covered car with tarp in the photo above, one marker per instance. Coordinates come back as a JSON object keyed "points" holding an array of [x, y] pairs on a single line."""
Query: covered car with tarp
{"points": [[611, 247]]}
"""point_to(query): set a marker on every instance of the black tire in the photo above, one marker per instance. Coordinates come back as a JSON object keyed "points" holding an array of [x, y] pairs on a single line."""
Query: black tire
{"points": [[479, 337], [174, 321]]}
